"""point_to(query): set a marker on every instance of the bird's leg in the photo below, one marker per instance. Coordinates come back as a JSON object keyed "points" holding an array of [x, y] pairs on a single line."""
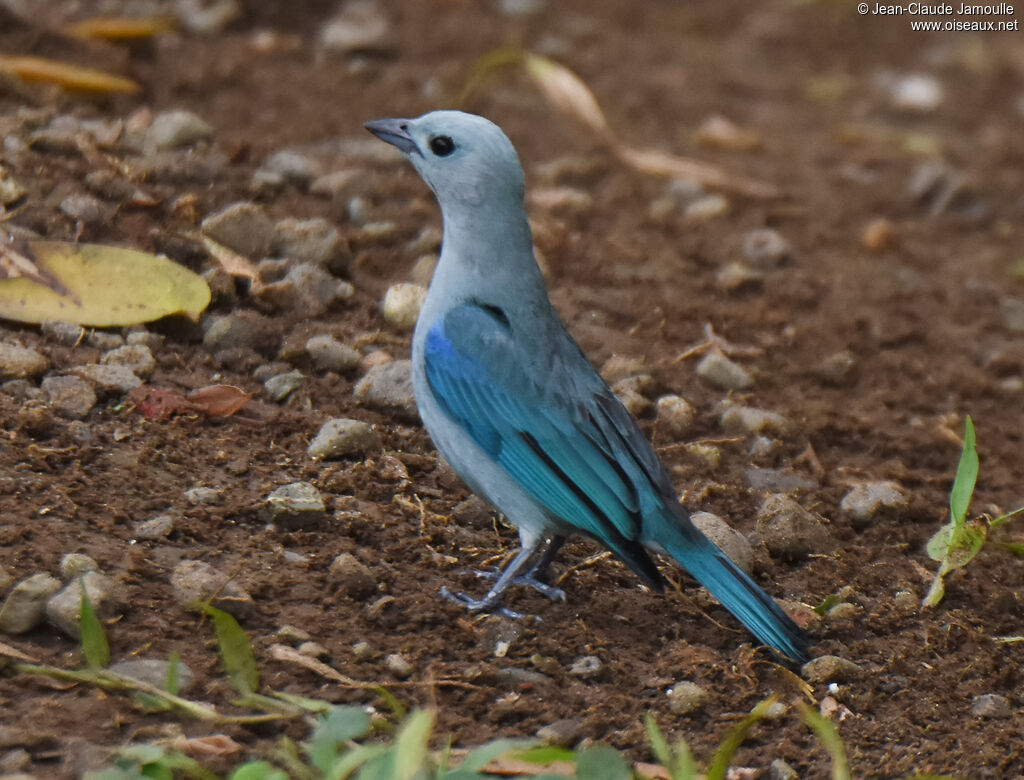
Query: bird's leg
{"points": [[534, 576], [490, 602]]}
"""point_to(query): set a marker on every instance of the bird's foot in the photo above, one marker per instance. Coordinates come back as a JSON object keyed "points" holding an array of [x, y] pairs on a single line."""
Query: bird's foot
{"points": [[486, 604], [528, 579]]}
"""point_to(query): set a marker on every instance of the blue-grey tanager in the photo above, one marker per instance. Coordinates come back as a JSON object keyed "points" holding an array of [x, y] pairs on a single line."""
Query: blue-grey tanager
{"points": [[517, 410]]}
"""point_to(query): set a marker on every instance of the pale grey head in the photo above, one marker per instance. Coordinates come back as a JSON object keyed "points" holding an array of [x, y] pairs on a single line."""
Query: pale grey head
{"points": [[465, 159]]}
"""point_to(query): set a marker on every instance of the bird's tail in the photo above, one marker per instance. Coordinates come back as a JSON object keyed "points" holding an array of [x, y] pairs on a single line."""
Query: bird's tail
{"points": [[737, 592]]}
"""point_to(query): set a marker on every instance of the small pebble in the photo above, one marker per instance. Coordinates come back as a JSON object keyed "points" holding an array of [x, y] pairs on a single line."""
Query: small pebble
{"points": [[294, 507], [564, 201], [388, 385], [20, 362], [155, 671], [105, 340], [906, 601], [333, 184], [108, 379], [354, 578], [397, 664], [707, 207], [777, 480], [789, 531], [675, 415], [763, 448], [423, 269], [195, 581], [360, 26], [778, 769], [25, 606], [107, 597], [843, 612], [913, 91], [159, 527], [751, 420], [737, 276], [329, 354], [22, 390], [292, 166], [243, 227], [869, 500], [202, 495], [1013, 314], [717, 370], [281, 386], [586, 666], [718, 132], [402, 303], [314, 650], [314, 241], [766, 248], [84, 208], [67, 333], [685, 697], [74, 564], [830, 668], [879, 235], [291, 635], [991, 705], [726, 538], [342, 436], [176, 128], [6, 580], [619, 367], [136, 357], [363, 650], [307, 288], [562, 733], [839, 369], [70, 396]]}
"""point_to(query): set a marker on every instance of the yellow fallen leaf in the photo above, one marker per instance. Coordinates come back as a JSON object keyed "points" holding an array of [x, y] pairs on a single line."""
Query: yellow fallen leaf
{"points": [[105, 286], [567, 92], [65, 74], [117, 28]]}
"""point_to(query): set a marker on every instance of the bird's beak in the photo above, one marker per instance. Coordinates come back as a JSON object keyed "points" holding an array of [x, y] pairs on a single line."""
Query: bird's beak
{"points": [[394, 132]]}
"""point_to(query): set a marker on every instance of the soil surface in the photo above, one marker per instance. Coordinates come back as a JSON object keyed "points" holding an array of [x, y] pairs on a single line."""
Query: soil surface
{"points": [[922, 303]]}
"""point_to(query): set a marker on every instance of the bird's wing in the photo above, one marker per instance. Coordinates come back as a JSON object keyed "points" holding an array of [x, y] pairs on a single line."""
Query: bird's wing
{"points": [[542, 420]]}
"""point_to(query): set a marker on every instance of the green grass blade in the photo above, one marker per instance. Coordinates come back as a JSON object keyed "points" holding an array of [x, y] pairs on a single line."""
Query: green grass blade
{"points": [[659, 745], [411, 744], [340, 725], [173, 682], [485, 754], [829, 737], [235, 650], [95, 647], [602, 762], [966, 476], [257, 770], [723, 756]]}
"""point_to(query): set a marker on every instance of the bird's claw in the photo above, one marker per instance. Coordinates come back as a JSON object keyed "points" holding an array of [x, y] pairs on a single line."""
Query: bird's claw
{"points": [[528, 580], [479, 605]]}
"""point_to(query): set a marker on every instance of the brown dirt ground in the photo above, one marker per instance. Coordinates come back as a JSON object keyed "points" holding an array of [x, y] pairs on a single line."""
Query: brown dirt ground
{"points": [[922, 318]]}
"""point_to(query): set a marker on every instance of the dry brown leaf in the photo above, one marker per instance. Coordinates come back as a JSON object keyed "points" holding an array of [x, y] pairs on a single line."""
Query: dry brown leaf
{"points": [[567, 92], [651, 771], [66, 74], [13, 652], [116, 28], [658, 163], [291, 655], [219, 400], [514, 767], [210, 745], [232, 262]]}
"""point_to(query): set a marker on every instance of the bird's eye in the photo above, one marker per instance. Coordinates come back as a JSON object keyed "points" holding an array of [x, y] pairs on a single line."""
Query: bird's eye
{"points": [[442, 145]]}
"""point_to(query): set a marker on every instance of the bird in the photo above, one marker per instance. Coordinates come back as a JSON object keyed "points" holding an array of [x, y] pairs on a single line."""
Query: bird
{"points": [[511, 402]]}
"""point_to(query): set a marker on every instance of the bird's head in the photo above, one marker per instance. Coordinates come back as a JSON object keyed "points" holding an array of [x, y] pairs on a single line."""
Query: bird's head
{"points": [[465, 159]]}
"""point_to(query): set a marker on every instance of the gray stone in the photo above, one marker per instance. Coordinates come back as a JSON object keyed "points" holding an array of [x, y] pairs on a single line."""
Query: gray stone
{"points": [[778, 769], [106, 596], [474, 512], [737, 276], [176, 128], [402, 303], [105, 340], [398, 665], [830, 668], [586, 666], [789, 531], [136, 357], [243, 227], [744, 420], [67, 333], [70, 396], [353, 577], [232, 331], [990, 705], [13, 762], [108, 379], [314, 241], [334, 183], [686, 697], [202, 495], [17, 362], [766, 248], [869, 500], [293, 166], [342, 436], [293, 507], [196, 581], [84, 208], [726, 538], [839, 369], [25, 606], [359, 27], [562, 733], [292, 635], [717, 370], [154, 671], [6, 580], [147, 338], [707, 207], [73, 565], [306, 287], [21, 390], [283, 385], [314, 650], [777, 480], [619, 367], [155, 528], [388, 385], [329, 354], [1013, 314]]}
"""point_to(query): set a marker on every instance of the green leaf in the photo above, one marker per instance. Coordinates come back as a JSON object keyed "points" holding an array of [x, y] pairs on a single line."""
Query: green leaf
{"points": [[353, 759], [966, 476], [340, 725], [101, 286], [397, 708], [829, 737], [235, 650], [485, 754], [546, 754], [602, 762], [723, 756], [173, 683], [826, 604], [95, 647], [258, 770], [659, 745], [410, 749], [939, 543], [966, 543]]}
